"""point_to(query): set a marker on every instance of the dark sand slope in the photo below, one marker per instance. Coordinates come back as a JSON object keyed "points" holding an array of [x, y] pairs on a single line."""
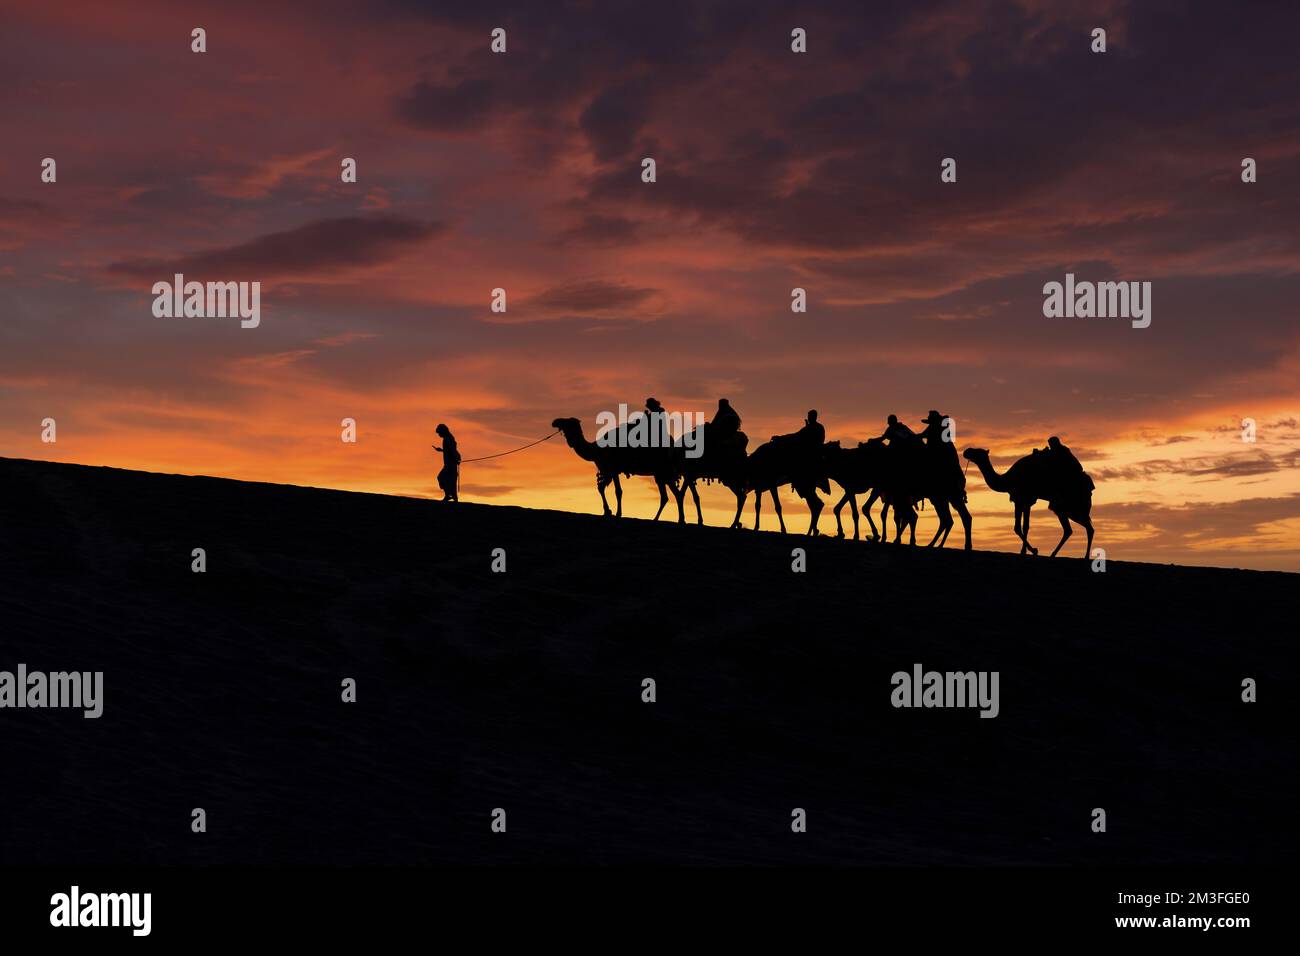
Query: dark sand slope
{"points": [[522, 690]]}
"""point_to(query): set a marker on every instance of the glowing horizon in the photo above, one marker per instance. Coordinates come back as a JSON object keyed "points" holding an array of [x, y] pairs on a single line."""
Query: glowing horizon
{"points": [[775, 171]]}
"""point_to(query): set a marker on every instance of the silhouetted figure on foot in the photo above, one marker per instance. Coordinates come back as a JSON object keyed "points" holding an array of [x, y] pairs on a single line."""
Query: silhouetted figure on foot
{"points": [[449, 477]]}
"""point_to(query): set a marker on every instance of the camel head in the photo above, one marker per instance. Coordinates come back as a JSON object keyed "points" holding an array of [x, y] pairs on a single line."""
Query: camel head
{"points": [[975, 454], [571, 429]]}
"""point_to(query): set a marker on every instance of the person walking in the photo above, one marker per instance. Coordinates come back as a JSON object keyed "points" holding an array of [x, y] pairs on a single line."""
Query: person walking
{"points": [[449, 477]]}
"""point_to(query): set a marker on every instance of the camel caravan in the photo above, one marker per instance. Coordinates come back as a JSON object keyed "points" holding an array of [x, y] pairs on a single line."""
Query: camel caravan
{"points": [[901, 468]]}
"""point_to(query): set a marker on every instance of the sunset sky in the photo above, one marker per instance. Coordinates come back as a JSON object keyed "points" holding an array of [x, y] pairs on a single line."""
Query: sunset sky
{"points": [[774, 170]]}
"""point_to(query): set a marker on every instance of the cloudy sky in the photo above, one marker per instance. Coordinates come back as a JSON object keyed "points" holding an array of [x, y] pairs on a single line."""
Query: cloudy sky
{"points": [[775, 170]]}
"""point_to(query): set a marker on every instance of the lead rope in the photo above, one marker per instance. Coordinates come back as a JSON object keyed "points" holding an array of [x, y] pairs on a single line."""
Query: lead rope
{"points": [[513, 450], [501, 454]]}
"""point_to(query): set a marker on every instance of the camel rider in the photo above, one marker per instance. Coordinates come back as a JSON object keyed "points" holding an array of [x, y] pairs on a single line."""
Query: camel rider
{"points": [[811, 436], [805, 445], [934, 428], [654, 421], [813, 432], [896, 433], [1060, 450], [1064, 471], [724, 428], [1062, 460], [938, 444], [725, 420]]}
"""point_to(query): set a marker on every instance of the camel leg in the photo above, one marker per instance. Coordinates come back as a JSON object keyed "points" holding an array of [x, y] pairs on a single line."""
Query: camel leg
{"points": [[758, 506], [663, 499], [1018, 528], [1087, 523], [866, 510], [945, 522], [904, 518], [1032, 549], [911, 523], [740, 506], [601, 485], [699, 515], [776, 500], [814, 510], [1065, 533], [964, 514], [679, 492], [853, 510], [839, 528]]}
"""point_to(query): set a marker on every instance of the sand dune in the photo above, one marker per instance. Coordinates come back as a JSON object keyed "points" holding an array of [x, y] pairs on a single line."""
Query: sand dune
{"points": [[522, 690]]}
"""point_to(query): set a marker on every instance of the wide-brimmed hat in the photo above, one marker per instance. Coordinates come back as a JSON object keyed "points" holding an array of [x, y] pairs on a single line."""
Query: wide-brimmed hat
{"points": [[934, 418]]}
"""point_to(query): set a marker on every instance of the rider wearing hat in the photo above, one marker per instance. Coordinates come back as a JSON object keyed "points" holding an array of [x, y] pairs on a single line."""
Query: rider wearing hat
{"points": [[942, 446]]}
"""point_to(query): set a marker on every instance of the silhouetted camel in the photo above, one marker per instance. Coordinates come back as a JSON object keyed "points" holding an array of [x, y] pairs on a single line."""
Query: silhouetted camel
{"points": [[903, 474], [900, 487], [857, 471], [939, 478], [661, 464], [1069, 496], [722, 461], [900, 476], [786, 460]]}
